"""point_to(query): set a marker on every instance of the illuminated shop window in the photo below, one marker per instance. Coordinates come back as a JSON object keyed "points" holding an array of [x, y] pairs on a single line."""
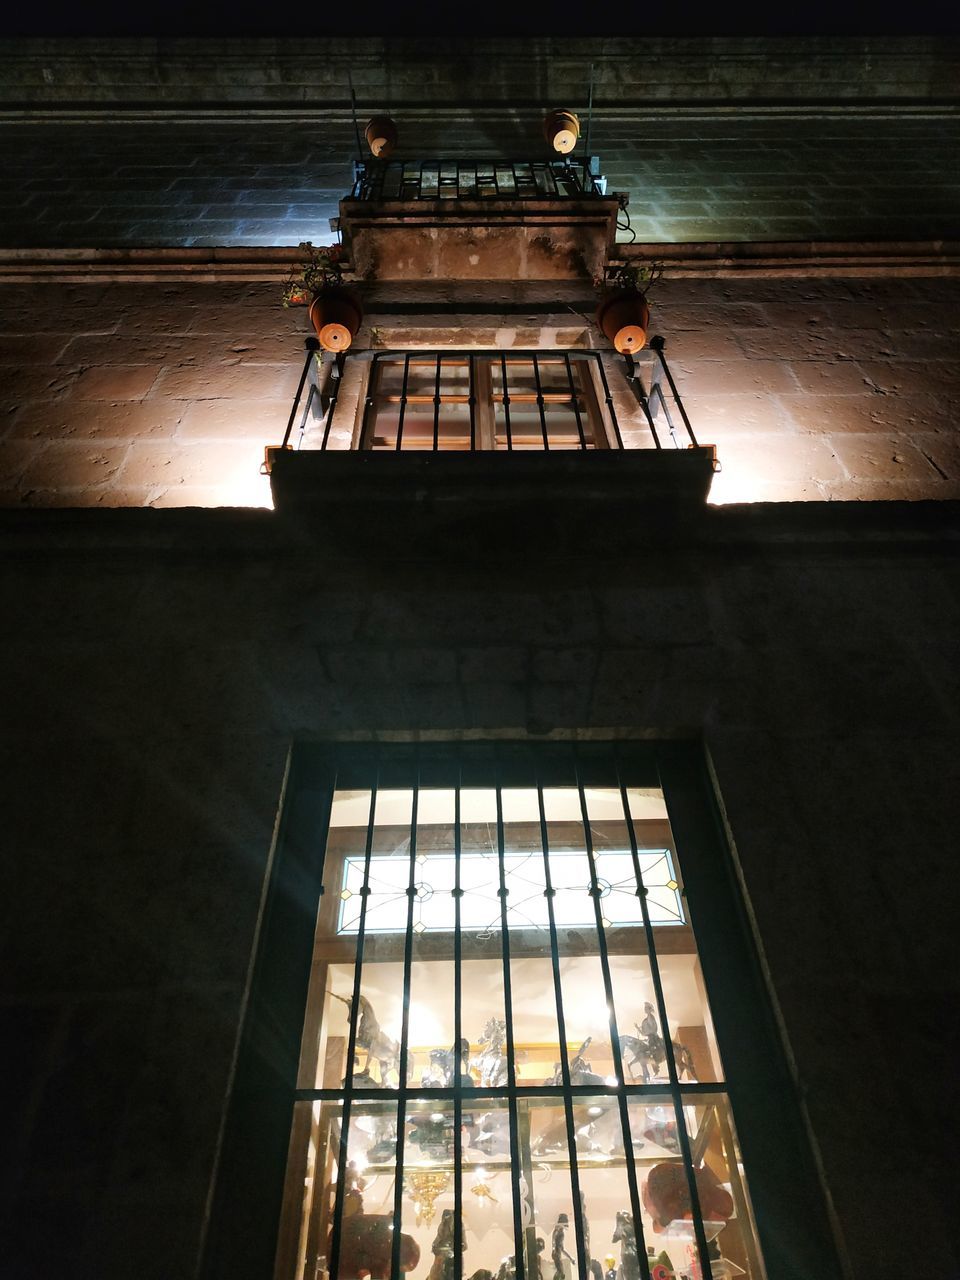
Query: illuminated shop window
{"points": [[488, 400], [509, 1069]]}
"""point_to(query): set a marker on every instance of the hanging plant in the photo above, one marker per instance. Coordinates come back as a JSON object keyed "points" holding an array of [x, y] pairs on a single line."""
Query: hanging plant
{"points": [[624, 312], [317, 283]]}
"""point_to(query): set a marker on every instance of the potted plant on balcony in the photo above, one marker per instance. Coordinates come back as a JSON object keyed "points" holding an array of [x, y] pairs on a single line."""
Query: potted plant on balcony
{"points": [[624, 311], [317, 283]]}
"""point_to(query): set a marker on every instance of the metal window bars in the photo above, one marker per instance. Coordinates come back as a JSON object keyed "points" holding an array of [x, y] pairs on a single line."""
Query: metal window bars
{"points": [[478, 179], [474, 399], [506, 941]]}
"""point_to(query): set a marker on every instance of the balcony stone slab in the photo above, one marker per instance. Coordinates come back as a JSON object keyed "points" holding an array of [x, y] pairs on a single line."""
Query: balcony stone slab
{"points": [[463, 239]]}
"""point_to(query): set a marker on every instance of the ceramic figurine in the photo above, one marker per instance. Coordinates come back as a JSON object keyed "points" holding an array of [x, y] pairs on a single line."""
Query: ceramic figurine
{"points": [[610, 1262]]}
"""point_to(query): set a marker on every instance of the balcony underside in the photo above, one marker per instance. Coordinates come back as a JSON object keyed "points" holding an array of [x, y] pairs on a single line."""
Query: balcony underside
{"points": [[474, 504], [559, 239]]}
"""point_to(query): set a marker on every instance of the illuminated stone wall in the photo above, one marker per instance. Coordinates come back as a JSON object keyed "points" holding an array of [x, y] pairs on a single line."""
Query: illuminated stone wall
{"points": [[166, 394]]}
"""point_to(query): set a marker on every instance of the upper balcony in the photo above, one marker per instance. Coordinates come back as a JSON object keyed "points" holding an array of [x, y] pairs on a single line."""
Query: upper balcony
{"points": [[479, 219]]}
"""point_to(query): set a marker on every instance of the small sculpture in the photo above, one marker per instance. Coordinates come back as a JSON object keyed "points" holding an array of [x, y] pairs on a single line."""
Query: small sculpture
{"points": [[611, 1264], [483, 1192], [492, 1061], [446, 1065], [646, 1049], [580, 1070], [492, 1133], [624, 1233], [379, 1047], [443, 1247], [558, 1249], [508, 1268]]}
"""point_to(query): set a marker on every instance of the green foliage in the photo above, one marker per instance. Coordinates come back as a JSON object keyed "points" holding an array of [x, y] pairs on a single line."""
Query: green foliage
{"points": [[636, 277], [319, 270]]}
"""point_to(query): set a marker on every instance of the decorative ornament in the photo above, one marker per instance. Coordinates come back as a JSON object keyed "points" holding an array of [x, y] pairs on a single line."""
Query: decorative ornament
{"points": [[427, 1186]]}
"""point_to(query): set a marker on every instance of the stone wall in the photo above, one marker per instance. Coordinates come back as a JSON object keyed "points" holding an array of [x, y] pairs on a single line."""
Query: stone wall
{"points": [[692, 176], [155, 666], [478, 71], [166, 394]]}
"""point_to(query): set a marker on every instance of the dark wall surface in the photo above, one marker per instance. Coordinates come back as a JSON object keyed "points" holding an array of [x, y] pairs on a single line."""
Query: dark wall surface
{"points": [[157, 665], [698, 176]]}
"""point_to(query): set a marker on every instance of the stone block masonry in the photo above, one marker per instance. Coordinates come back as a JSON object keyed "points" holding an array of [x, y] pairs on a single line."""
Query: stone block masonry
{"points": [[695, 177], [166, 394]]}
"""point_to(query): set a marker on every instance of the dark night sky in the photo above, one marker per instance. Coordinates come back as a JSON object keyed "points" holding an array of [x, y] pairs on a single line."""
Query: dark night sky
{"points": [[479, 17]]}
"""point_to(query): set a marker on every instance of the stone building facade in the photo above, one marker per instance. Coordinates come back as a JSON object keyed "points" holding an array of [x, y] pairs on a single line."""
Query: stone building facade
{"points": [[168, 636]]}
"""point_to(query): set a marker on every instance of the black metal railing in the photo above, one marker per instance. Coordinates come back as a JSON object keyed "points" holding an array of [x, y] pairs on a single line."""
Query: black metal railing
{"points": [[478, 179], [482, 400]]}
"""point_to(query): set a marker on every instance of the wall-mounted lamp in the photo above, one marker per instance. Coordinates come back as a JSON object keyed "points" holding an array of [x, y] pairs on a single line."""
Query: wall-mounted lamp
{"points": [[561, 129], [381, 135]]}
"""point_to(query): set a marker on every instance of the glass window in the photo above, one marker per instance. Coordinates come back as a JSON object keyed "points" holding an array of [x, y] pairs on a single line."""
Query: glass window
{"points": [[508, 1067], [466, 401]]}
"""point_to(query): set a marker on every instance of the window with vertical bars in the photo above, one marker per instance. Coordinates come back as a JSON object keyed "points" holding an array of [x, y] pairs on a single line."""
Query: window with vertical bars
{"points": [[456, 400], [508, 1066]]}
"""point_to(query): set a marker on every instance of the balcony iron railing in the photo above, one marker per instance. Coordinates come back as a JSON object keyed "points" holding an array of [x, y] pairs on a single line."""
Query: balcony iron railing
{"points": [[473, 400], [492, 179]]}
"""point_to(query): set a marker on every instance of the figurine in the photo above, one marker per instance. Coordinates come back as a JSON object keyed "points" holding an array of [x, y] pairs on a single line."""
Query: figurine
{"points": [[443, 1247], [492, 1061], [666, 1195], [646, 1049], [625, 1234], [508, 1268], [562, 1260], [447, 1065], [580, 1069], [483, 1192], [492, 1133], [611, 1271], [378, 1046]]}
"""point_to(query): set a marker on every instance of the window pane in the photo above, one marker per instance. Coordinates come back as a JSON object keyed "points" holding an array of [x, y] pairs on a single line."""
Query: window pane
{"points": [[574, 878]]}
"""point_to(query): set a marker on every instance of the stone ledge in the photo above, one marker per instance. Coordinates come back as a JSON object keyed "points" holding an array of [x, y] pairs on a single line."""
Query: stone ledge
{"points": [[695, 260]]}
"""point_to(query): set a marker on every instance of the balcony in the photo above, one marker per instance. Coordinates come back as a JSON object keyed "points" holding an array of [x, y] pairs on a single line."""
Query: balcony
{"points": [[491, 179], [485, 449], [479, 220]]}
